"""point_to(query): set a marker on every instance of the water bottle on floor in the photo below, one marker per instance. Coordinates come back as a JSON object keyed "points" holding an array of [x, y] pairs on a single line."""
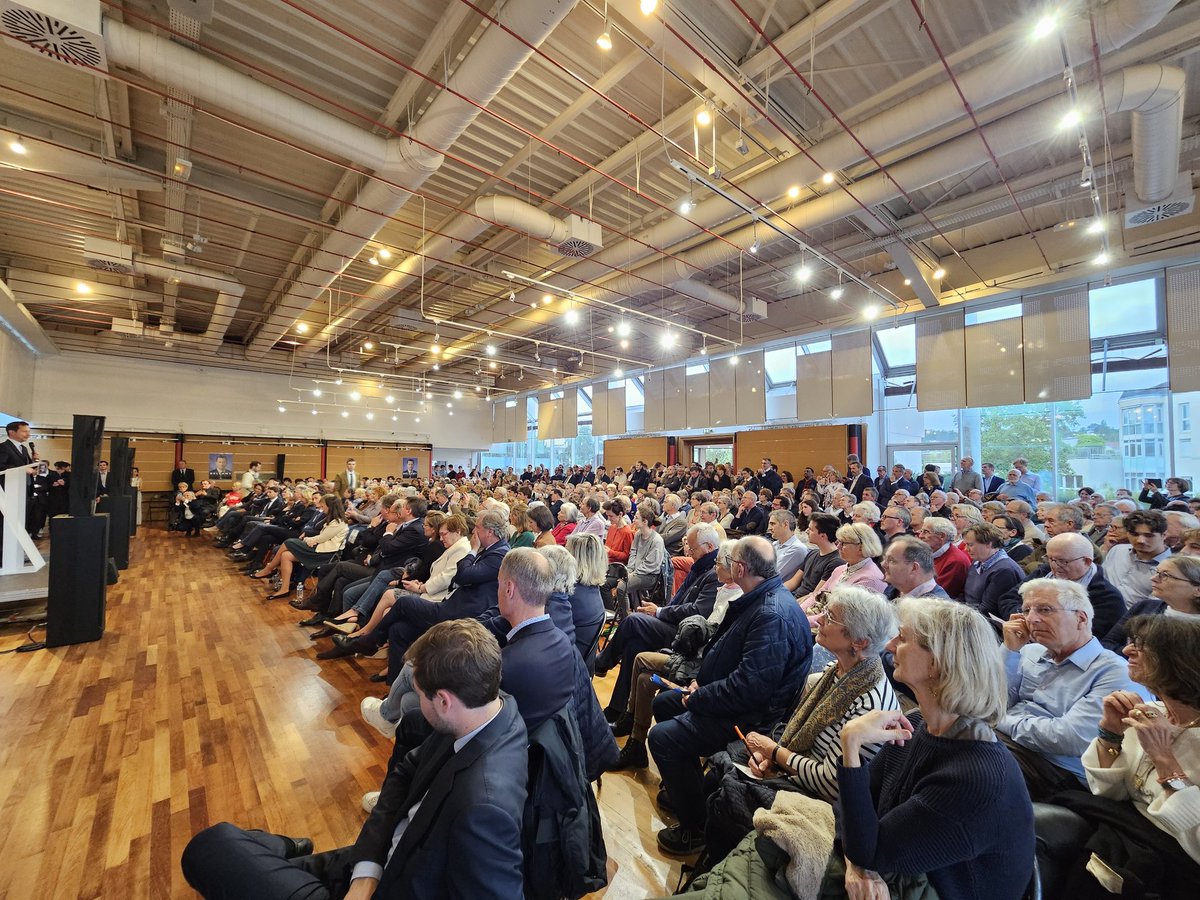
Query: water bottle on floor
{"points": [[300, 591]]}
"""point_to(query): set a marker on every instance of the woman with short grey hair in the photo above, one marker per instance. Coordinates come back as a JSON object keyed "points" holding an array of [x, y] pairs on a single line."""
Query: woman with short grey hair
{"points": [[804, 754]]}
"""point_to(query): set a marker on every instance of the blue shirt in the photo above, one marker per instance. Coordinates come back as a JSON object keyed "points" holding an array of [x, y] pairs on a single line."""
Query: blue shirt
{"points": [[1053, 707], [1022, 490]]}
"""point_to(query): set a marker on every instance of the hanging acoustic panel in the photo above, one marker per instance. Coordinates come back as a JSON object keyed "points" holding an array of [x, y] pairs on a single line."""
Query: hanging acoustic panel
{"points": [[617, 409], [995, 376], [941, 362], [814, 386], [750, 388], [600, 408], [675, 398], [698, 412], [499, 422], [1056, 335], [518, 421], [653, 417], [568, 414], [722, 399], [853, 396], [548, 421], [1183, 328]]}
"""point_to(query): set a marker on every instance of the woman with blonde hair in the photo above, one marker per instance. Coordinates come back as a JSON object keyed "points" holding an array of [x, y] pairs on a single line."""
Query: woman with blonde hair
{"points": [[587, 606]]}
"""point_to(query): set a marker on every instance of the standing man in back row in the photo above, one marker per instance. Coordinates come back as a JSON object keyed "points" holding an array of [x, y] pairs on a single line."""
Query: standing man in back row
{"points": [[346, 481], [966, 479], [250, 477]]}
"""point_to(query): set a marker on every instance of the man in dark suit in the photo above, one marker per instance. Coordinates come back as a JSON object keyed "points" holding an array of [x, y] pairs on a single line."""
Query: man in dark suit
{"points": [[181, 474], [991, 481], [448, 819], [103, 477], [14, 452], [857, 481]]}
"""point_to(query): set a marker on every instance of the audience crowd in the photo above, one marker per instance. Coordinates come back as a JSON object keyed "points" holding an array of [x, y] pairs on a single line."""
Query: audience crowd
{"points": [[901, 686]]}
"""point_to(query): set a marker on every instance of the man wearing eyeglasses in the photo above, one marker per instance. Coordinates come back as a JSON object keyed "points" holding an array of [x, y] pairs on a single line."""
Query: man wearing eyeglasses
{"points": [[1129, 566], [1058, 677], [1069, 558]]}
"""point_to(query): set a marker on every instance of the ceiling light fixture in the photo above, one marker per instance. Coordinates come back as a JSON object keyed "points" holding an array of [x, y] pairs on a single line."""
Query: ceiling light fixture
{"points": [[370, 416], [827, 178], [604, 42], [17, 147], [871, 312], [395, 418], [837, 293], [648, 7], [733, 360], [804, 273], [618, 372], [572, 316], [282, 408], [491, 364], [1102, 259], [668, 339], [754, 248], [624, 343], [428, 395], [389, 399], [490, 349], [82, 288], [385, 253], [939, 273], [345, 414], [547, 299], [302, 328], [1096, 227], [704, 117], [417, 419], [316, 392], [793, 192], [1045, 26], [337, 381], [686, 203], [908, 282], [314, 411], [437, 367], [1070, 120], [355, 395], [374, 260], [458, 395], [368, 346]]}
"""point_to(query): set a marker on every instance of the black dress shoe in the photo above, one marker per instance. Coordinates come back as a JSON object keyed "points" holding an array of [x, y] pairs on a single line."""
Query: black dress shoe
{"points": [[318, 619], [623, 727], [335, 652], [663, 799], [323, 633], [298, 847], [379, 677], [239, 556], [612, 714]]}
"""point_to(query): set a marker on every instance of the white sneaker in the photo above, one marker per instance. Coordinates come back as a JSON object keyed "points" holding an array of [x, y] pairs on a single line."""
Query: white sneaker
{"points": [[371, 713], [370, 798]]}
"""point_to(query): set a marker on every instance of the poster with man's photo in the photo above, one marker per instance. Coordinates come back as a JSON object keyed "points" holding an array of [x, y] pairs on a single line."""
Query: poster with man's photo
{"points": [[220, 466], [409, 468]]}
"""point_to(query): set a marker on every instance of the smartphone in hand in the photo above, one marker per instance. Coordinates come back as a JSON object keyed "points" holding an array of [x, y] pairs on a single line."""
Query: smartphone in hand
{"points": [[663, 683]]}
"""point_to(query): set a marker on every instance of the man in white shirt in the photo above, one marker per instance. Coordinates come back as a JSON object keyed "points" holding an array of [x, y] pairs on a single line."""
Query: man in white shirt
{"points": [[789, 549], [250, 477], [1128, 567]]}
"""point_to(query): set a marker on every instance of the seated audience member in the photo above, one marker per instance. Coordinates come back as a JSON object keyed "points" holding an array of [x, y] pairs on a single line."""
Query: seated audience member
{"points": [[652, 627], [942, 797], [408, 541], [859, 548], [822, 557], [750, 674], [587, 606], [466, 844], [1069, 557], [895, 520], [473, 593], [1143, 770], [749, 517], [950, 564], [1014, 534], [673, 526], [568, 521], [593, 521], [1057, 518], [1174, 592], [1058, 676], [1020, 511], [647, 553], [909, 571], [1177, 523], [522, 535], [453, 538], [938, 505], [1129, 567], [789, 549], [619, 537], [1102, 517], [309, 552], [804, 754], [1191, 542], [542, 521], [992, 574]]}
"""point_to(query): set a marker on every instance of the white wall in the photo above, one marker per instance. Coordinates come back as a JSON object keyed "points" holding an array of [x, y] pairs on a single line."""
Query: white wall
{"points": [[16, 377], [143, 395]]}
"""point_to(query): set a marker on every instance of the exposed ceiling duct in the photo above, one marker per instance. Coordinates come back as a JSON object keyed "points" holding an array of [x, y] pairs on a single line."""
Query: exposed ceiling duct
{"points": [[18, 322]]}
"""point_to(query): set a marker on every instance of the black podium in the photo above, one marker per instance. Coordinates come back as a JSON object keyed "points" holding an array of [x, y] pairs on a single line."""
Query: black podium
{"points": [[78, 579]]}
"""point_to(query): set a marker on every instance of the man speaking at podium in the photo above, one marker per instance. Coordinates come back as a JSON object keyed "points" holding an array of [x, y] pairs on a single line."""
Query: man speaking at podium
{"points": [[14, 451]]}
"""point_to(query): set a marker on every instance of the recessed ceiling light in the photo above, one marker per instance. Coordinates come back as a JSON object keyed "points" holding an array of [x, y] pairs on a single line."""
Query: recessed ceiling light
{"points": [[793, 192], [827, 178], [302, 328], [17, 147], [385, 253], [624, 343]]}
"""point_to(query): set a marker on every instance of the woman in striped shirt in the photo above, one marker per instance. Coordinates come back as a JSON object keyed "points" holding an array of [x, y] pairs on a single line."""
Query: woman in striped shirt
{"points": [[803, 755]]}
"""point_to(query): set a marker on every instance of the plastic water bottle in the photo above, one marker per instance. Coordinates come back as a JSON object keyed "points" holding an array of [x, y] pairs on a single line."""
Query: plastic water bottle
{"points": [[300, 591]]}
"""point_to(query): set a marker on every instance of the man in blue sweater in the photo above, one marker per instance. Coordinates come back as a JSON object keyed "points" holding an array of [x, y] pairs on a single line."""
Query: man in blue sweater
{"points": [[753, 668]]}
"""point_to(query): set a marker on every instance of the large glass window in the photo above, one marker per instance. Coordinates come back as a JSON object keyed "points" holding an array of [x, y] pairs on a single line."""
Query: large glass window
{"points": [[899, 345], [1127, 308]]}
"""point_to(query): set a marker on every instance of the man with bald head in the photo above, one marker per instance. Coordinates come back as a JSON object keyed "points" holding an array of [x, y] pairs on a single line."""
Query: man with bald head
{"points": [[1069, 557], [751, 671]]}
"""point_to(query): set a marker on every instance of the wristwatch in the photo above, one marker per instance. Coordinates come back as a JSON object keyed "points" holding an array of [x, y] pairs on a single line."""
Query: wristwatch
{"points": [[1176, 781]]}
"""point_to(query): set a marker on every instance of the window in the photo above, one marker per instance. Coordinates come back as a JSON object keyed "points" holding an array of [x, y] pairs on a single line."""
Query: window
{"points": [[1129, 308], [780, 366], [995, 314], [1185, 416], [898, 345]]}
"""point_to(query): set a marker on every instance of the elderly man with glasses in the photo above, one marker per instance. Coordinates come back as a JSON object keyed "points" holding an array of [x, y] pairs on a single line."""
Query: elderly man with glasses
{"points": [[1058, 677], [1069, 558]]}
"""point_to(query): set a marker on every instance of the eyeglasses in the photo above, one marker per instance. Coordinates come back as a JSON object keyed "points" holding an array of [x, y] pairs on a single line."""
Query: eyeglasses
{"points": [[1056, 561], [828, 619], [1162, 573], [894, 518], [1044, 611], [848, 543]]}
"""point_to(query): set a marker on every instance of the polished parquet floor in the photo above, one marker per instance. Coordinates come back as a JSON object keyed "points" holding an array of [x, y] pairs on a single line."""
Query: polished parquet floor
{"points": [[202, 703]]}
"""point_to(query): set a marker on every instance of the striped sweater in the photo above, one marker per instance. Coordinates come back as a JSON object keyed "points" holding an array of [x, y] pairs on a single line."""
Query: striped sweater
{"points": [[817, 770]]}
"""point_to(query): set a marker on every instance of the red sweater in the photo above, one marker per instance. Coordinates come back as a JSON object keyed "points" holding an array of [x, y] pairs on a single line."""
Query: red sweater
{"points": [[950, 571]]}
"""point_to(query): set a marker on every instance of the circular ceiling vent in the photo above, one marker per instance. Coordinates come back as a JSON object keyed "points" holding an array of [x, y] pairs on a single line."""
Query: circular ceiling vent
{"points": [[577, 247], [52, 37], [1159, 213]]}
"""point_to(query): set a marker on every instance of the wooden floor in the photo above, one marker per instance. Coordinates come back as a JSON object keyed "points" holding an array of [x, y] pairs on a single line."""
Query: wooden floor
{"points": [[200, 704]]}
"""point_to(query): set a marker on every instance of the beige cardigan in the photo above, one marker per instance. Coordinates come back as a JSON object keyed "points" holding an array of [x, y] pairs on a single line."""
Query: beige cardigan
{"points": [[332, 537]]}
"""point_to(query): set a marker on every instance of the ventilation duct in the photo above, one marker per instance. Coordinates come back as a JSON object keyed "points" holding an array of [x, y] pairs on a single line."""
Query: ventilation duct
{"points": [[572, 236], [17, 321]]}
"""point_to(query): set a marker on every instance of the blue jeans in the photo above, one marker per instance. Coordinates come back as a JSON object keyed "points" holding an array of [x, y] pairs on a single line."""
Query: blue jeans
{"points": [[677, 742], [364, 595]]}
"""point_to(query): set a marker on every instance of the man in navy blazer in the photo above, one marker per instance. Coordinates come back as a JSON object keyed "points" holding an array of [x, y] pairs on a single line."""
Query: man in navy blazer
{"points": [[448, 820], [538, 658]]}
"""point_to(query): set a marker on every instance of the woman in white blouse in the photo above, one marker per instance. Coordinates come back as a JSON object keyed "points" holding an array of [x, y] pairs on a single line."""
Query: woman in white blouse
{"points": [[1148, 754]]}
